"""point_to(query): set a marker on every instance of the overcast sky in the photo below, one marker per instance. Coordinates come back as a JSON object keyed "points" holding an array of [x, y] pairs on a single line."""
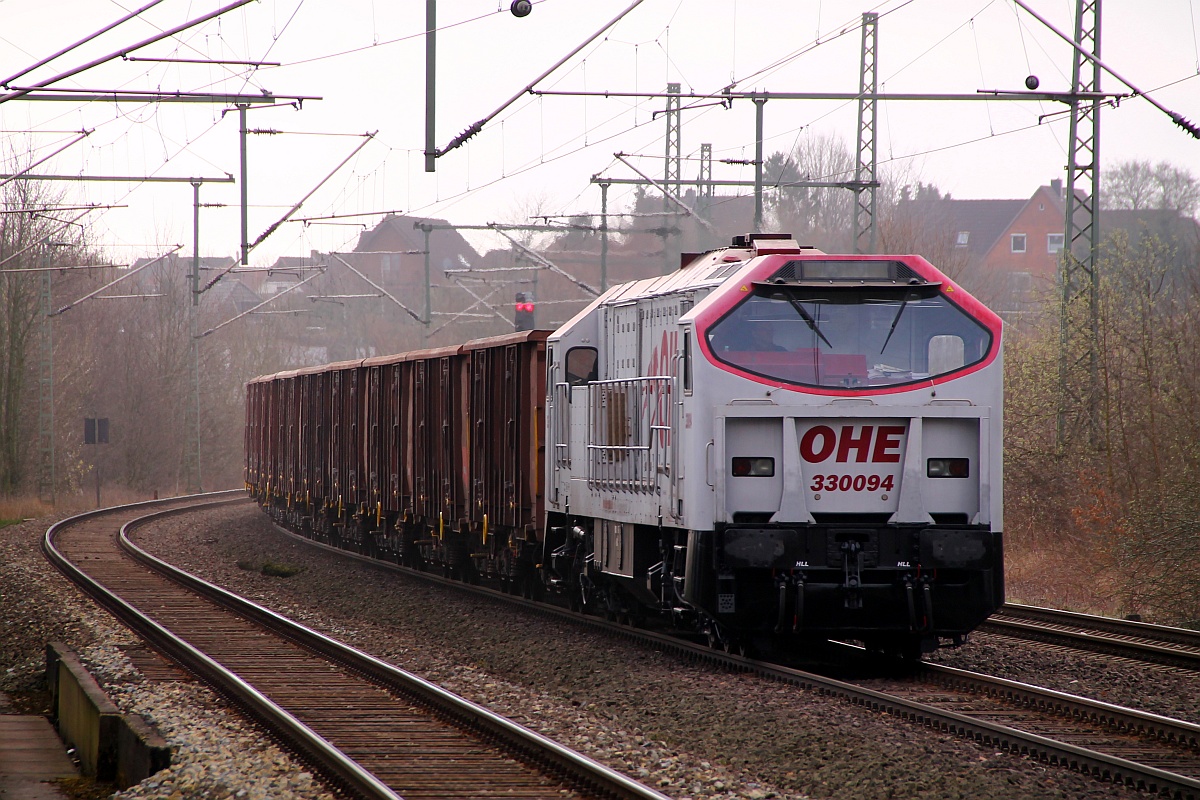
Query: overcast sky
{"points": [[365, 59]]}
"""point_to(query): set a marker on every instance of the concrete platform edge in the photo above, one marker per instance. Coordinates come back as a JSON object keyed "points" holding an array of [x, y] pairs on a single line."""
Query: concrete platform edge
{"points": [[125, 749]]}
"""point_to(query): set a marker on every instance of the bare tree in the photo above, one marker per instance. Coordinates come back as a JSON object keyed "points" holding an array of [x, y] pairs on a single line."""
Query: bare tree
{"points": [[1141, 186], [1123, 512], [817, 215], [29, 241]]}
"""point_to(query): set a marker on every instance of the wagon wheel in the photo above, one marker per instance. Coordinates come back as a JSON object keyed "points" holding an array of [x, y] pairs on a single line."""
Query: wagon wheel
{"points": [[504, 569]]}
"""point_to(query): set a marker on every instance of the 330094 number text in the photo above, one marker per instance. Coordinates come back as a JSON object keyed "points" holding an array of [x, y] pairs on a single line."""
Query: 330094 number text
{"points": [[852, 483]]}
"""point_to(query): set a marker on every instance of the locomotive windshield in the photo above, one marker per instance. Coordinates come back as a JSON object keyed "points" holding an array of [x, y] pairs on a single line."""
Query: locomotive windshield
{"points": [[848, 335]]}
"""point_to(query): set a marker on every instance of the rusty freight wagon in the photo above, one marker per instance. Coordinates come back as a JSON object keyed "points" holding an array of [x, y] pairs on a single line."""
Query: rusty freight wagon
{"points": [[428, 457]]}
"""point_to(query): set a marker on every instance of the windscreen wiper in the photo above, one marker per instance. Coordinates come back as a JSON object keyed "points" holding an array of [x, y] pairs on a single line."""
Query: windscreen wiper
{"points": [[812, 323], [895, 321]]}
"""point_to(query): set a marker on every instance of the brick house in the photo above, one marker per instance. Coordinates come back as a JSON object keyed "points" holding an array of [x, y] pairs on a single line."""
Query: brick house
{"points": [[1011, 248], [1028, 246]]}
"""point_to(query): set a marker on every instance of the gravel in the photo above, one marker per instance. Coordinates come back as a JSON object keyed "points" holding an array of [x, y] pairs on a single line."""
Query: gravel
{"points": [[684, 728], [216, 754], [1146, 687]]}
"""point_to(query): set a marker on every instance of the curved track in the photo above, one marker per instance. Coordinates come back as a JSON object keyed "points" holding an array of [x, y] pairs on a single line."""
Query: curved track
{"points": [[1125, 746], [1138, 641], [370, 728]]}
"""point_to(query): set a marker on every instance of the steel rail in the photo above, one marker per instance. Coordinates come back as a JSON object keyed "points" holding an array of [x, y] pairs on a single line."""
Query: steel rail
{"points": [[1160, 644], [311, 745], [1100, 765], [1126, 627], [554, 758], [576, 766], [1130, 720]]}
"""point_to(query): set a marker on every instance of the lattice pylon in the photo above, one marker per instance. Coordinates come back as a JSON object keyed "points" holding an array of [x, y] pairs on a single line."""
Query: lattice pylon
{"points": [[1078, 274], [864, 171]]}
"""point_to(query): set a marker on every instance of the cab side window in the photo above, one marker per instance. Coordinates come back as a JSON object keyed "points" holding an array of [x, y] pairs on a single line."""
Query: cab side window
{"points": [[946, 354], [581, 365]]}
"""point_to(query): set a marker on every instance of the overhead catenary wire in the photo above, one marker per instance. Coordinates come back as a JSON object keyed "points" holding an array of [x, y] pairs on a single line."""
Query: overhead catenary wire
{"points": [[111, 56], [63, 223], [154, 97], [74, 267], [378, 288], [367, 137], [545, 262], [477, 126], [345, 216], [110, 284], [667, 193], [1177, 118], [90, 37], [479, 301], [270, 299], [366, 140], [479, 179], [82, 135]]}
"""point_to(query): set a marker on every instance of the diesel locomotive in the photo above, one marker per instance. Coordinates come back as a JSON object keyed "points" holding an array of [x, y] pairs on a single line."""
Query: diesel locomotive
{"points": [[770, 444]]}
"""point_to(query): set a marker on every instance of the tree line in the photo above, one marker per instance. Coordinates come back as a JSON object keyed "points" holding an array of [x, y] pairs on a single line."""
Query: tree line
{"points": [[1106, 523]]}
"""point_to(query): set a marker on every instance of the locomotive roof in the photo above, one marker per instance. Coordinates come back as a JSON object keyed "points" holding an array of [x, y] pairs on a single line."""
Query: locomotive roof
{"points": [[704, 270], [707, 269]]}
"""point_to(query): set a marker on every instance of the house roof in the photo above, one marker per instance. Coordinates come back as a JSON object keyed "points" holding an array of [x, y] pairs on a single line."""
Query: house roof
{"points": [[232, 290], [294, 262], [984, 221], [446, 244], [1167, 224]]}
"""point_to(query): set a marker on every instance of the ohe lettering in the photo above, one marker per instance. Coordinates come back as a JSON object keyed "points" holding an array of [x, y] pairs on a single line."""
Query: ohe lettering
{"points": [[852, 443]]}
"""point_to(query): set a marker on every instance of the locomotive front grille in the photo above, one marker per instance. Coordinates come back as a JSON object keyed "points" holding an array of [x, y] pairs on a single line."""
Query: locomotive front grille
{"points": [[888, 547]]}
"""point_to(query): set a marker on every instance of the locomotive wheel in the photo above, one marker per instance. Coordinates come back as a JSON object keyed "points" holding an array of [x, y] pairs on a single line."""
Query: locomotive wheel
{"points": [[910, 649], [736, 647], [905, 648]]}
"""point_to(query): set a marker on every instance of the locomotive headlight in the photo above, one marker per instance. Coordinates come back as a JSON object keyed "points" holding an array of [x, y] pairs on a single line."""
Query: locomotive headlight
{"points": [[948, 468], [744, 467]]}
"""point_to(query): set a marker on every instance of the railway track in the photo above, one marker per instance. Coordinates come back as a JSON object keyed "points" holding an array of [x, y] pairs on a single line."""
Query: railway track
{"points": [[1139, 641], [1126, 746], [371, 729]]}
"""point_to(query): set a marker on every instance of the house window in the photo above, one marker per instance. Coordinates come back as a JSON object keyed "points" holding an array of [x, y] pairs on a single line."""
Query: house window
{"points": [[389, 267], [1054, 242], [963, 238], [1018, 243]]}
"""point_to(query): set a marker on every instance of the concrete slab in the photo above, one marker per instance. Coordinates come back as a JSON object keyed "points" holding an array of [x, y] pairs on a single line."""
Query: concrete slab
{"points": [[31, 754]]}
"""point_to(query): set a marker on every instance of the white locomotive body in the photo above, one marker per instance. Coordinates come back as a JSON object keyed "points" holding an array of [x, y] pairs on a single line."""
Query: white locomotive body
{"points": [[773, 442]]}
